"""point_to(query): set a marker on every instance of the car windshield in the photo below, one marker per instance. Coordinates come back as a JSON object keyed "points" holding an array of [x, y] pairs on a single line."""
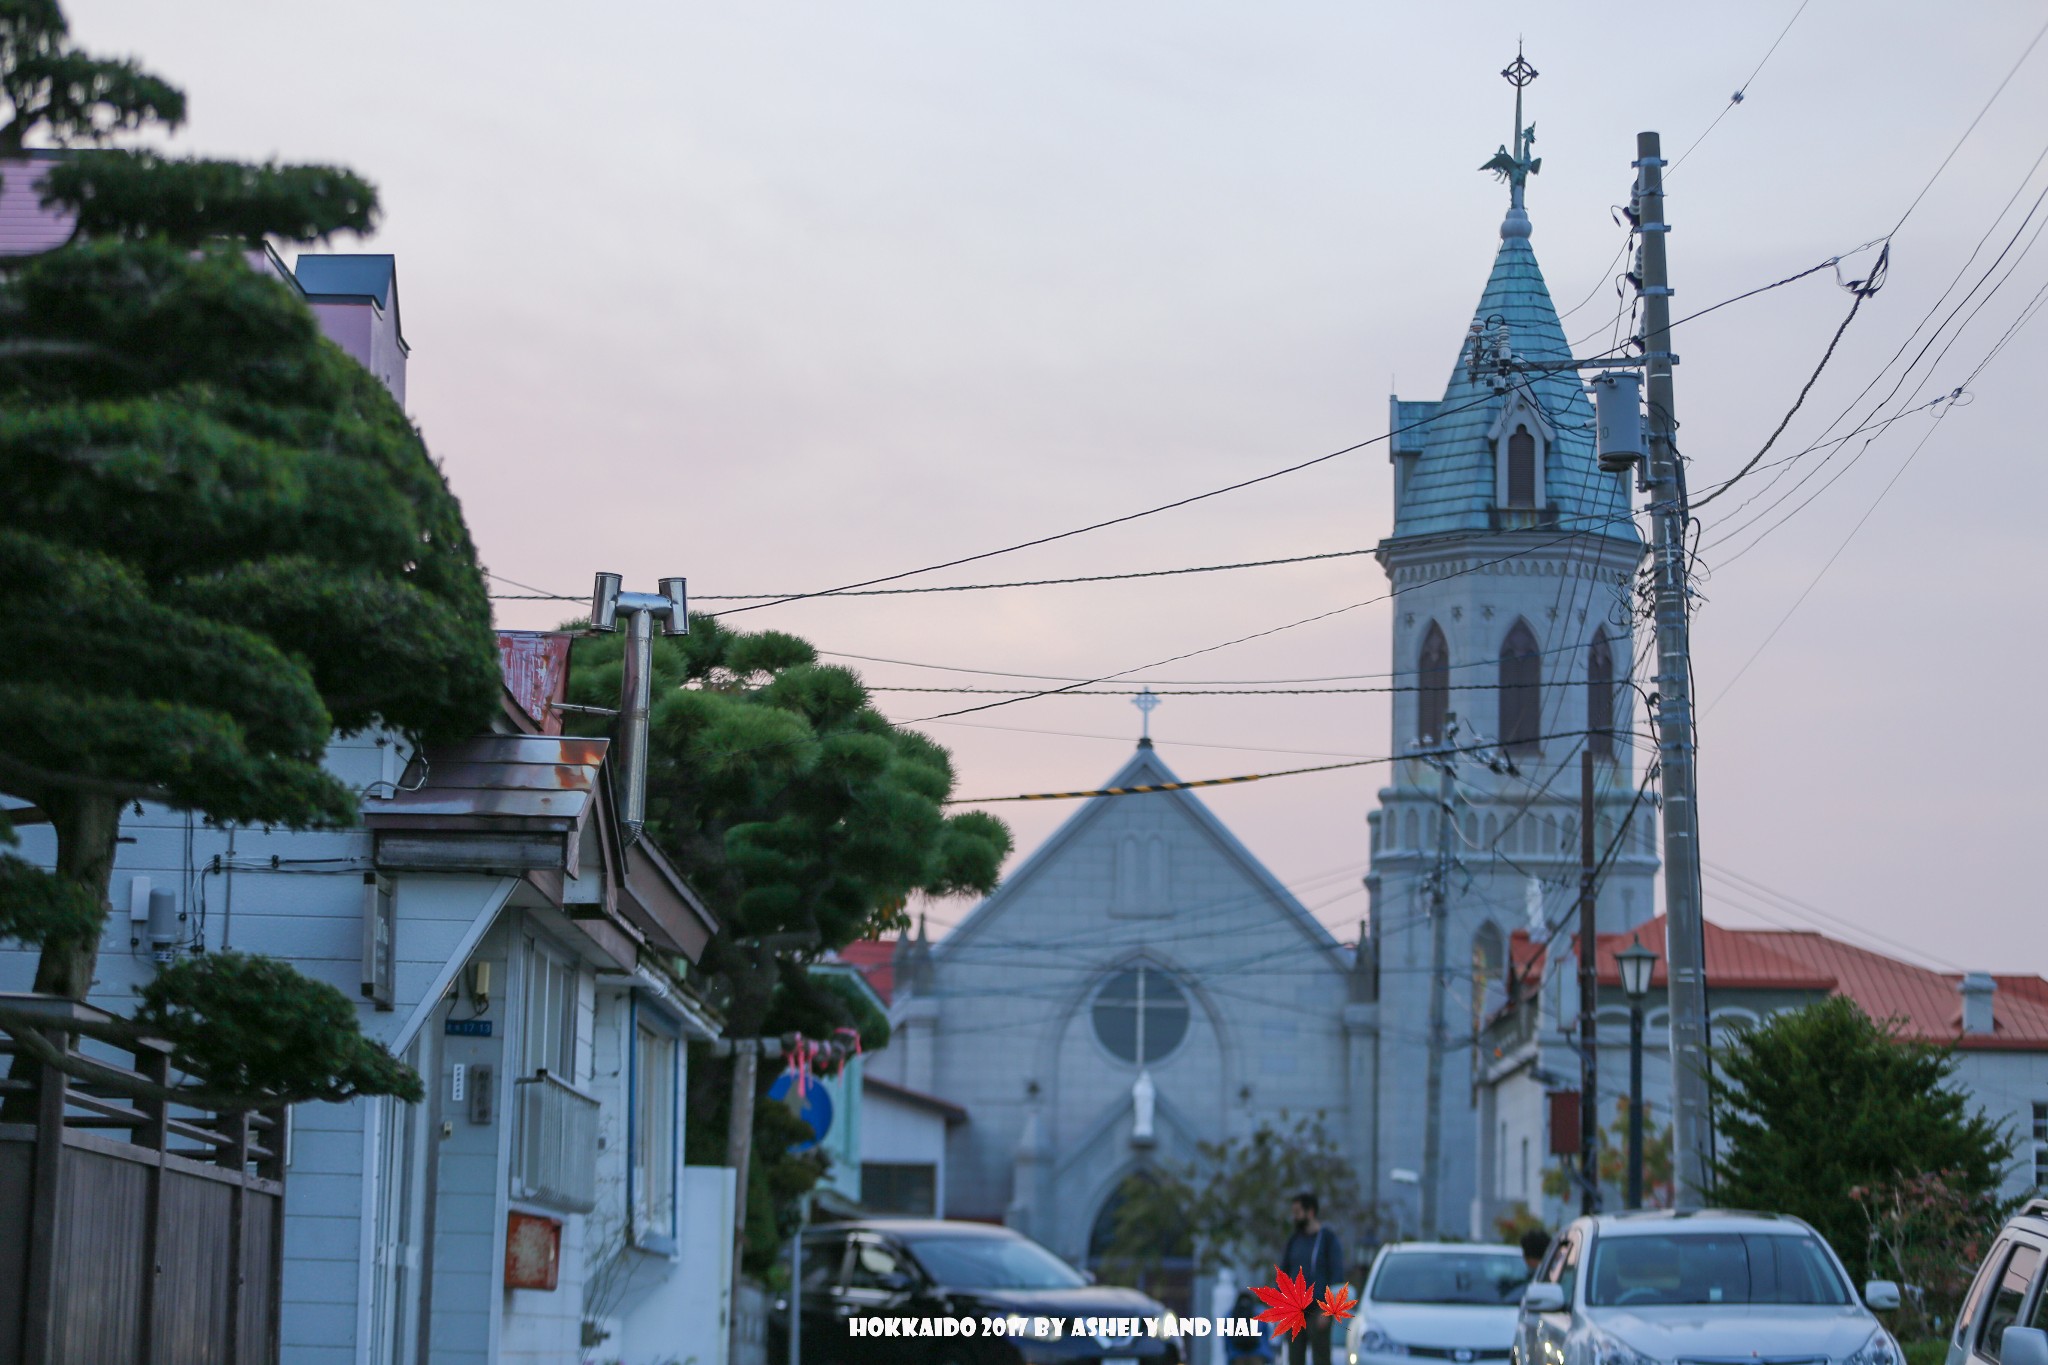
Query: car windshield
{"points": [[1713, 1267], [993, 1263], [1474, 1277]]}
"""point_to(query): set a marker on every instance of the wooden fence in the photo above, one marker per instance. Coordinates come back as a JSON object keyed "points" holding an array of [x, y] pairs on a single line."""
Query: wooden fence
{"points": [[154, 1234]]}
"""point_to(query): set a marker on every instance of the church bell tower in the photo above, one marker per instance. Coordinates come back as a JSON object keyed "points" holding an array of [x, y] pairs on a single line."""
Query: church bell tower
{"points": [[1512, 558]]}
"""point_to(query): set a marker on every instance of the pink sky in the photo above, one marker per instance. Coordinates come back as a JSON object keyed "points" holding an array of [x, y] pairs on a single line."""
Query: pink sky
{"points": [[782, 297]]}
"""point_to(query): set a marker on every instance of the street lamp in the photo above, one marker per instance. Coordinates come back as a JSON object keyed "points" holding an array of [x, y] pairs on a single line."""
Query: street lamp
{"points": [[1636, 963]]}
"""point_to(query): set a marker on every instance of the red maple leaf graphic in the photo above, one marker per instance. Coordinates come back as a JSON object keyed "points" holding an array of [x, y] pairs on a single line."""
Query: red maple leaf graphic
{"points": [[1287, 1305], [1337, 1302]]}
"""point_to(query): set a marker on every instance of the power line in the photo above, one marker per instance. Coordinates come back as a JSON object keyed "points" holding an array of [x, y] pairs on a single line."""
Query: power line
{"points": [[765, 597], [1157, 787], [1741, 90]]}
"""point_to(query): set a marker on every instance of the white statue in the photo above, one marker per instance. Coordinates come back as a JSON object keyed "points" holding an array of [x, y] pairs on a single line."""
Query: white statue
{"points": [[1143, 1094]]}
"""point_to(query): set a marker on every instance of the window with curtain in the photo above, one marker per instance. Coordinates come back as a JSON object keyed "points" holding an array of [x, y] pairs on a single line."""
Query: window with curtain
{"points": [[1521, 691], [654, 1133], [1521, 468], [1433, 678], [1600, 696]]}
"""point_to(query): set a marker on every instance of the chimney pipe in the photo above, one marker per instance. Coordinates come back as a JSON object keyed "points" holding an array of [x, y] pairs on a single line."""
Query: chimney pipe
{"points": [[1978, 992], [671, 606]]}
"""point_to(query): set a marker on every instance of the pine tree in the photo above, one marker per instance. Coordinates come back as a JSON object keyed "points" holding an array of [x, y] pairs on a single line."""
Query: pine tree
{"points": [[806, 820], [221, 540]]}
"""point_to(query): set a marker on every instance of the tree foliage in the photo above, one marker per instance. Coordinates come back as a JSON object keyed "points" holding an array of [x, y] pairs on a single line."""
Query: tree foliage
{"points": [[221, 540], [1817, 1102], [1929, 1233], [255, 1026], [806, 820], [1229, 1205]]}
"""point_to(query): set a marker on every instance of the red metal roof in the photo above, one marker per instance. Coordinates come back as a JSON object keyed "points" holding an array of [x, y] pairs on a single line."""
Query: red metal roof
{"points": [[1927, 1003], [875, 960], [536, 668]]}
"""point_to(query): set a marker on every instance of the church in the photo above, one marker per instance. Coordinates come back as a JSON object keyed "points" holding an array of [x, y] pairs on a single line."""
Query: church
{"points": [[1142, 984], [1139, 985]]}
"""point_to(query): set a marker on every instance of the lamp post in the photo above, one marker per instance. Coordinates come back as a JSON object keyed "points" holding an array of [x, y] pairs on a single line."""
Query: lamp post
{"points": [[1636, 963]]}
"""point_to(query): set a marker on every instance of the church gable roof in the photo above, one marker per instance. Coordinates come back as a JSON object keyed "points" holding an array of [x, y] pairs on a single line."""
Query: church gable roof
{"points": [[1452, 488], [1144, 768]]}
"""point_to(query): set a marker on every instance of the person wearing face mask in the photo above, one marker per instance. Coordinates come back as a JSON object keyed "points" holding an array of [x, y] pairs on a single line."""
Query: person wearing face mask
{"points": [[1314, 1252]]}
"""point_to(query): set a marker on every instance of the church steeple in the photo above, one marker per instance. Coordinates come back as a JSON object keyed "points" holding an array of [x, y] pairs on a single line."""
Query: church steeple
{"points": [[1507, 447]]}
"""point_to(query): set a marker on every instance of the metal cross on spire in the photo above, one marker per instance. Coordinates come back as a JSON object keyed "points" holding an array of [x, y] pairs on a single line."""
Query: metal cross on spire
{"points": [[1517, 166], [1146, 702]]}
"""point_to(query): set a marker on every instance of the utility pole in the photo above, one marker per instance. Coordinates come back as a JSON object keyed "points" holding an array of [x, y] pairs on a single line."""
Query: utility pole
{"points": [[1691, 1119], [1589, 994], [1439, 928]]}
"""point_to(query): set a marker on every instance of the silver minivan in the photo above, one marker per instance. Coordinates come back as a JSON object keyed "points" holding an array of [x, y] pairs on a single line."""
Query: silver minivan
{"points": [[2004, 1318], [1657, 1287]]}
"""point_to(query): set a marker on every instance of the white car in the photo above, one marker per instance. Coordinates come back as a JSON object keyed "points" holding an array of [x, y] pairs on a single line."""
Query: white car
{"points": [[1437, 1301], [1656, 1288]]}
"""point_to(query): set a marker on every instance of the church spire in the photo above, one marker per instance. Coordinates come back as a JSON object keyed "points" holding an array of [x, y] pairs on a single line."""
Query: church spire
{"points": [[1516, 167]]}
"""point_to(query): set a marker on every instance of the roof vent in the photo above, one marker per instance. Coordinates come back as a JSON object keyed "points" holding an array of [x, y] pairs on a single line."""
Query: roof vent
{"points": [[1978, 991]]}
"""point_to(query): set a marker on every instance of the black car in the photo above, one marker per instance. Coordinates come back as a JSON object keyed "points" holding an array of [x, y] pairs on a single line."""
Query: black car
{"points": [[957, 1294]]}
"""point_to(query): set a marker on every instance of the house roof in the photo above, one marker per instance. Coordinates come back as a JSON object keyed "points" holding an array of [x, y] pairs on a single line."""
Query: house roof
{"points": [[492, 781], [875, 960], [351, 275], [1451, 489], [1926, 1003]]}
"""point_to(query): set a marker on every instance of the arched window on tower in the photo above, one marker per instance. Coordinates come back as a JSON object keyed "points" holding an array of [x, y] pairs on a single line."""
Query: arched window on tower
{"points": [[1489, 973], [1521, 691], [1600, 696], [1521, 467], [1433, 679]]}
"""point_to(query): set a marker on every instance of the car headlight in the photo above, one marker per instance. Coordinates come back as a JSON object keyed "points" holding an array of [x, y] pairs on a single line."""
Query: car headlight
{"points": [[1380, 1343], [1879, 1350], [1609, 1350]]}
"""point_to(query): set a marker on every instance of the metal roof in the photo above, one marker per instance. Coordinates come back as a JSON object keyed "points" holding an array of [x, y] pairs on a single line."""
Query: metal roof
{"points": [[1452, 487], [540, 782], [349, 276]]}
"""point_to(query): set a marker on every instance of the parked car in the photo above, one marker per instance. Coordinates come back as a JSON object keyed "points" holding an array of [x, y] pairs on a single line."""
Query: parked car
{"points": [[1437, 1301], [924, 1268], [2004, 1318], [1653, 1288]]}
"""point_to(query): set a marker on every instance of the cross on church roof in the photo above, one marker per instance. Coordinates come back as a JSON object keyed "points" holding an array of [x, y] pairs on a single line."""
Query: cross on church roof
{"points": [[1146, 701], [1517, 166]]}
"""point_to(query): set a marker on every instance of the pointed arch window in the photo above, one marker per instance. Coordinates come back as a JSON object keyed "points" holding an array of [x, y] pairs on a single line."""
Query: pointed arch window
{"points": [[1521, 437], [1489, 973], [1521, 691], [1433, 680], [1600, 696], [1521, 467]]}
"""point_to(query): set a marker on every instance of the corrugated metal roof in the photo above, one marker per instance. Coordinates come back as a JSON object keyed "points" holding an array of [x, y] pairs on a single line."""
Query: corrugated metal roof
{"points": [[1452, 488], [491, 781]]}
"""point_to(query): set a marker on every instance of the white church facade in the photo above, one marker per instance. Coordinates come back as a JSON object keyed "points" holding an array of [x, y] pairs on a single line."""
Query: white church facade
{"points": [[1138, 985]]}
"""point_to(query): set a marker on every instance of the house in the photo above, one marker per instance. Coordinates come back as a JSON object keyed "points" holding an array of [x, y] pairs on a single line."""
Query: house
{"points": [[1998, 1026], [505, 937]]}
